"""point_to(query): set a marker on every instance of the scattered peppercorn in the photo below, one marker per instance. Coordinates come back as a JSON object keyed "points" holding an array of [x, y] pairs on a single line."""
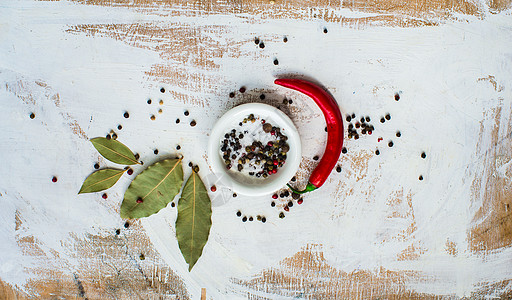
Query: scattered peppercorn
{"points": [[142, 257], [338, 169], [390, 144], [118, 231], [104, 196], [286, 208], [272, 204], [114, 136], [300, 201], [242, 89], [177, 121], [388, 117], [108, 137], [295, 196], [256, 41], [213, 188], [290, 203], [173, 204], [234, 195], [231, 95], [244, 219], [54, 179], [397, 97], [137, 156], [276, 62], [149, 101], [126, 225], [325, 129], [160, 111], [344, 150], [178, 147], [139, 200], [281, 215], [262, 96], [325, 30], [119, 127], [293, 179], [193, 123], [398, 134], [152, 117], [161, 102], [250, 219], [420, 178], [262, 45], [377, 152], [32, 116], [155, 151], [186, 113], [315, 157], [126, 115], [285, 39], [238, 213], [382, 120], [423, 155], [196, 169], [162, 90], [96, 166], [263, 219], [353, 115], [130, 171]]}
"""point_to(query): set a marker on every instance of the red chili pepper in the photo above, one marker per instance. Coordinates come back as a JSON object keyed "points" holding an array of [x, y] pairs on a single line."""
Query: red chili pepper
{"points": [[334, 122]]}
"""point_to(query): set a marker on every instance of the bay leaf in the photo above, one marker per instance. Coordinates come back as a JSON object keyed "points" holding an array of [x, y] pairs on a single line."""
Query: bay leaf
{"points": [[194, 219], [114, 151], [101, 180], [155, 187]]}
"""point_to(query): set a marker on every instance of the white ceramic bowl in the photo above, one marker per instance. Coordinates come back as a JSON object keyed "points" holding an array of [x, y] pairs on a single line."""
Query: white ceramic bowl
{"points": [[244, 184]]}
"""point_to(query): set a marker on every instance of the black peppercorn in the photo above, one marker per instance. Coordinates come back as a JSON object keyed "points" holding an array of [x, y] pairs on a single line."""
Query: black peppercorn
{"points": [[173, 204], [251, 219], [244, 219], [344, 150], [32, 115], [149, 101], [281, 215], [276, 62], [162, 90], [178, 147], [367, 119], [377, 152], [382, 120], [126, 225], [126, 115], [177, 121], [262, 45], [96, 166], [423, 155], [231, 95], [390, 144], [262, 96], [155, 151], [315, 157], [118, 231], [397, 97], [388, 117], [420, 178], [338, 169], [353, 115], [256, 41], [349, 118], [398, 134], [263, 219], [272, 204], [290, 204], [186, 113], [238, 213]]}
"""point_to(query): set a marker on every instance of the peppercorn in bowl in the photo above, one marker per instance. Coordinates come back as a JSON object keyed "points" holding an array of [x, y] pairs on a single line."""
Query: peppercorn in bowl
{"points": [[254, 149]]}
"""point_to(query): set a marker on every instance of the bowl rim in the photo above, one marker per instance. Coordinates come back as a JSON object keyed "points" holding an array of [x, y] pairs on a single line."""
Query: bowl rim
{"points": [[283, 177]]}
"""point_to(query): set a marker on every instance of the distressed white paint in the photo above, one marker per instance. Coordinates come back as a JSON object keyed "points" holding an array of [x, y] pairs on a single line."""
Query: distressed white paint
{"points": [[442, 103]]}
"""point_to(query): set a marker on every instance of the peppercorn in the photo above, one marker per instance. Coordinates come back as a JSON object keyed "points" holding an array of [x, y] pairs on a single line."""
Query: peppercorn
{"points": [[196, 169], [155, 151], [139, 200], [177, 121], [173, 204], [420, 178], [349, 118], [32, 116], [244, 219], [234, 195], [290, 101], [267, 127], [231, 95], [118, 231], [285, 39], [242, 90], [137, 156], [382, 120], [398, 134], [162, 90], [262, 45], [240, 167], [344, 150], [356, 136], [276, 62], [104, 196], [315, 157], [281, 215], [108, 137], [238, 213], [358, 125], [96, 166], [290, 203], [178, 147], [388, 117], [281, 195], [119, 127], [272, 204], [367, 119], [256, 41], [149, 101], [186, 113], [193, 123], [325, 30], [390, 144], [258, 217], [423, 155], [126, 225], [126, 115], [377, 152], [350, 126], [262, 96], [263, 219], [300, 201], [129, 171], [54, 179], [293, 179], [213, 188], [160, 111], [142, 257], [286, 208], [338, 169], [152, 117], [397, 97], [250, 219]]}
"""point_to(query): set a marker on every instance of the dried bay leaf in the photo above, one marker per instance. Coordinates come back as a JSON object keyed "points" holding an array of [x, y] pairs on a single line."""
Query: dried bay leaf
{"points": [[101, 180], [155, 187], [194, 219], [114, 151]]}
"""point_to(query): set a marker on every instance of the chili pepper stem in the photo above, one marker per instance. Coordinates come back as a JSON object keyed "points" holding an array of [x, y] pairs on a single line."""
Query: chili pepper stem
{"points": [[309, 188]]}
